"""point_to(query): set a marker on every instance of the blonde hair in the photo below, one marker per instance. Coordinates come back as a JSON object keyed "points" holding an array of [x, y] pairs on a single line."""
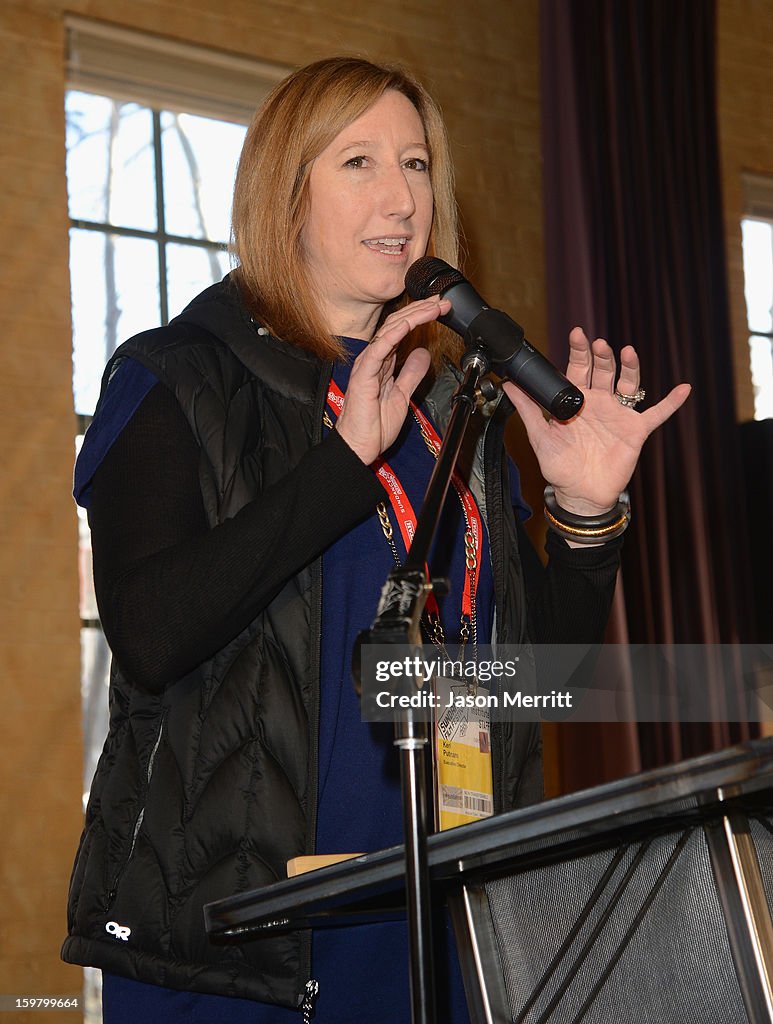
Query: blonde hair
{"points": [[299, 119]]}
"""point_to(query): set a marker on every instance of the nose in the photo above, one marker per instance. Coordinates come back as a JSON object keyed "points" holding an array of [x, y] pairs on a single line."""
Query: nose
{"points": [[397, 196]]}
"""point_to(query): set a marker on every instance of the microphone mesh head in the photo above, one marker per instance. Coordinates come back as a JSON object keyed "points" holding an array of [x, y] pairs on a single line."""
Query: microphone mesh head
{"points": [[430, 276]]}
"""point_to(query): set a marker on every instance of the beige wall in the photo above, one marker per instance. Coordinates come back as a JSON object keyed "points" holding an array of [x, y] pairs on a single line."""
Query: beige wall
{"points": [[480, 61], [40, 726]]}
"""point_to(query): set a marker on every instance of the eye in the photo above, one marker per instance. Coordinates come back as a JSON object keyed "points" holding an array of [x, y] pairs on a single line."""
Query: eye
{"points": [[357, 162], [417, 163]]}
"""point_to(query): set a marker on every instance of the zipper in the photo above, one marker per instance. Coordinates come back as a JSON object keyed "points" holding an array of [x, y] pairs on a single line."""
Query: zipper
{"points": [[495, 512], [314, 704], [113, 892], [310, 995], [316, 626], [498, 562]]}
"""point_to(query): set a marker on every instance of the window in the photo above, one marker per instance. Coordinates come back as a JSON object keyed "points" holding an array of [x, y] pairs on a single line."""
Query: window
{"points": [[757, 231], [153, 132], [149, 193], [154, 129]]}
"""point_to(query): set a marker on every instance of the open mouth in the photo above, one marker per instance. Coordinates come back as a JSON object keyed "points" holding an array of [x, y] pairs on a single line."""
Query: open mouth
{"points": [[388, 246]]}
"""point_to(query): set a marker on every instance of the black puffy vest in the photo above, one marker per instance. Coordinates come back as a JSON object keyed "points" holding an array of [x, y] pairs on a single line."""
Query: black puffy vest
{"points": [[209, 788]]}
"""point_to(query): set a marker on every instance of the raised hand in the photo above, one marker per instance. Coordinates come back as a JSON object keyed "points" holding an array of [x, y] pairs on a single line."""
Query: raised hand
{"points": [[590, 458], [376, 402]]}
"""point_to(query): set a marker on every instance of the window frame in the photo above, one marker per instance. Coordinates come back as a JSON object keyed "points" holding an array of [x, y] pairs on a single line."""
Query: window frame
{"points": [[757, 206]]}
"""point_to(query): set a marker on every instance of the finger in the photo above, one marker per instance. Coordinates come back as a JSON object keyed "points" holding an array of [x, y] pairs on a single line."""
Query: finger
{"points": [[404, 320], [629, 379], [658, 414], [580, 364], [604, 366], [527, 408], [375, 362], [378, 358], [413, 371]]}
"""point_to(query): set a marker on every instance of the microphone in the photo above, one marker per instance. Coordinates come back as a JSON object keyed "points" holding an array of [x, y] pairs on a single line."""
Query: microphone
{"points": [[500, 338]]}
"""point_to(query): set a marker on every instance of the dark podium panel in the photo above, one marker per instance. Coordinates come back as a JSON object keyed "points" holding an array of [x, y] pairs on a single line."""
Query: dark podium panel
{"points": [[628, 934], [645, 900]]}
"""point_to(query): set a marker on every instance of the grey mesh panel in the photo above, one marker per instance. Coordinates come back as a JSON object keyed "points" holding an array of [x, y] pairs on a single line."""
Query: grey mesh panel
{"points": [[665, 939], [762, 835]]}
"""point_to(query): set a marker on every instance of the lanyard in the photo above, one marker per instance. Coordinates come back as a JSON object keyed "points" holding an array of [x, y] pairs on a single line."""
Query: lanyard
{"points": [[406, 518], [473, 537]]}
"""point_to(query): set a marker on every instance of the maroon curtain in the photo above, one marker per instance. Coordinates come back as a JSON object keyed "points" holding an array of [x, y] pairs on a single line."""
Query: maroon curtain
{"points": [[635, 253]]}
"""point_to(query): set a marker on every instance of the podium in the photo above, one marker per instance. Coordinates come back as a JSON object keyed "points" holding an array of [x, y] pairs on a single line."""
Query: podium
{"points": [[646, 899]]}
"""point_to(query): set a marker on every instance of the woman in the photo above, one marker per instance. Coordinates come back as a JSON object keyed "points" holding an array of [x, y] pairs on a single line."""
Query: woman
{"points": [[241, 536]]}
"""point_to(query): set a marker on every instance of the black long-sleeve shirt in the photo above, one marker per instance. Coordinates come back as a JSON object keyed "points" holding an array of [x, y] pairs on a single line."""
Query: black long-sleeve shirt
{"points": [[172, 591]]}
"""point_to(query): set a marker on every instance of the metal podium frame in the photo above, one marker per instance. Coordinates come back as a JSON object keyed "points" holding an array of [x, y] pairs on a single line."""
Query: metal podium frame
{"points": [[715, 792]]}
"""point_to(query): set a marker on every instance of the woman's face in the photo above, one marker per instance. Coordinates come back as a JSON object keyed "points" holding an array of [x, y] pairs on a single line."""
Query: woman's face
{"points": [[370, 214]]}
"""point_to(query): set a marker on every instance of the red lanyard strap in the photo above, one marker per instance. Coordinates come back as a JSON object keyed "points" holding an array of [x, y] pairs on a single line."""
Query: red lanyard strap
{"points": [[399, 500], [473, 540], [405, 516]]}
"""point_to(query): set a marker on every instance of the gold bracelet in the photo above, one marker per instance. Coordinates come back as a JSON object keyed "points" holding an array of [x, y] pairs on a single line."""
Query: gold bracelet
{"points": [[587, 529]]}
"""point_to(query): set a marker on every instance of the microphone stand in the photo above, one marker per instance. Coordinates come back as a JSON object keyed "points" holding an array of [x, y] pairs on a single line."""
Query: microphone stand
{"points": [[397, 621]]}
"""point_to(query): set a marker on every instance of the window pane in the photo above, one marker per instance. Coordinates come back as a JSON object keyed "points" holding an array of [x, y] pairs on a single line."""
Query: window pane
{"points": [[88, 598], [191, 269], [199, 158], [114, 284], [761, 352], [95, 677], [110, 161], [758, 273]]}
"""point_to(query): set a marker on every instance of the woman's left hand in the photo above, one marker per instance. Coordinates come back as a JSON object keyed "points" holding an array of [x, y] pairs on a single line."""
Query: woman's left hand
{"points": [[590, 458]]}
